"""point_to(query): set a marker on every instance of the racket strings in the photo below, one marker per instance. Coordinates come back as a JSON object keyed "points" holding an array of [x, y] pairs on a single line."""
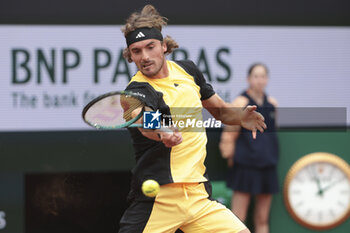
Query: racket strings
{"points": [[113, 110], [129, 105]]}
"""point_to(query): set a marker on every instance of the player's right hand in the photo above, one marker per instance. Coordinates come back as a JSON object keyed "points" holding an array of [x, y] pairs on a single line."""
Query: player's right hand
{"points": [[170, 140]]}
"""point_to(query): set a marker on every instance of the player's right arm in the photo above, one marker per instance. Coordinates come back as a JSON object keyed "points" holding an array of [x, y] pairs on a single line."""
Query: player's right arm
{"points": [[168, 139], [151, 99]]}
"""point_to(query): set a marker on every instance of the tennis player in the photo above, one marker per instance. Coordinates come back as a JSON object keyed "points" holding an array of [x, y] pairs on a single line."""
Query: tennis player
{"points": [[175, 160]]}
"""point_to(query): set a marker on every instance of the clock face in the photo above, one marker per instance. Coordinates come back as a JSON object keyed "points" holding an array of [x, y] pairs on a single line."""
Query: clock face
{"points": [[318, 194]]}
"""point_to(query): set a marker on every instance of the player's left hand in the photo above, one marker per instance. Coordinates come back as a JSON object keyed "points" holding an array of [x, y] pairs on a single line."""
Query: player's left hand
{"points": [[253, 120]]}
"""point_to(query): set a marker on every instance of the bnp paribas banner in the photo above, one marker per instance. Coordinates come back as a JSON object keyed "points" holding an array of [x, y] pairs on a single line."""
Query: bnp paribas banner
{"points": [[48, 73]]}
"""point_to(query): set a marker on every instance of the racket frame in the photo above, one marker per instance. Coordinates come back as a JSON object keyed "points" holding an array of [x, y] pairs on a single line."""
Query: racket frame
{"points": [[128, 124]]}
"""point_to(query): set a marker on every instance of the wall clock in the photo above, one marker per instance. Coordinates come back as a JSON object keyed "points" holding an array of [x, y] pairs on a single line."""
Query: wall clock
{"points": [[317, 191]]}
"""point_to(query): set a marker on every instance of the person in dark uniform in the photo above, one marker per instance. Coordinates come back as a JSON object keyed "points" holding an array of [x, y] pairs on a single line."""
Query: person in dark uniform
{"points": [[252, 163], [175, 160]]}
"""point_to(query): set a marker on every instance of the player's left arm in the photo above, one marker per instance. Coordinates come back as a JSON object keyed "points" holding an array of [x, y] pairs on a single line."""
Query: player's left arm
{"points": [[247, 118], [229, 115]]}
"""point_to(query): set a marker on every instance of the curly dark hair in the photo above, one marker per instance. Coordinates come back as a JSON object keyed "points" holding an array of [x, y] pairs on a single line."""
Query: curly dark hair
{"points": [[148, 17]]}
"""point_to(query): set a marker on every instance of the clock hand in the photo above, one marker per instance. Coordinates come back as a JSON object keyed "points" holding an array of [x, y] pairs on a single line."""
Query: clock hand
{"points": [[317, 179], [320, 190], [332, 184]]}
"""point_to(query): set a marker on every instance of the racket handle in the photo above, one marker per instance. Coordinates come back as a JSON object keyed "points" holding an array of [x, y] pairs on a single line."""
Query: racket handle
{"points": [[166, 130]]}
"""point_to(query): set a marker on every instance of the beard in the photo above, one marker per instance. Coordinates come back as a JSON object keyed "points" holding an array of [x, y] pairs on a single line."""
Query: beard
{"points": [[156, 70]]}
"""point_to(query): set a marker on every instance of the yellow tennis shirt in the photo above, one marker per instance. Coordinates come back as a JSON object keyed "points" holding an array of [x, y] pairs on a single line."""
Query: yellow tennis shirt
{"points": [[179, 96]]}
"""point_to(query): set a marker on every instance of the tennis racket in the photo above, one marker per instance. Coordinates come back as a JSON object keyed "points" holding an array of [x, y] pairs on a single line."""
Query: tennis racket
{"points": [[115, 110]]}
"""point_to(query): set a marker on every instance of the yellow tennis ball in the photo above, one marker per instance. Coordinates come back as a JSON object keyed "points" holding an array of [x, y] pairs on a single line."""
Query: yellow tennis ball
{"points": [[150, 188]]}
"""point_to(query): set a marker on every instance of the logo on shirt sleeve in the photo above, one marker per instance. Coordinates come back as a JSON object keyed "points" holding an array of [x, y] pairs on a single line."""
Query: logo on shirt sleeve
{"points": [[151, 120]]}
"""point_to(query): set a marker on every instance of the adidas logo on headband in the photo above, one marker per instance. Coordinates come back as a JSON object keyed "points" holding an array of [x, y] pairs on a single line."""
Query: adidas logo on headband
{"points": [[140, 35]]}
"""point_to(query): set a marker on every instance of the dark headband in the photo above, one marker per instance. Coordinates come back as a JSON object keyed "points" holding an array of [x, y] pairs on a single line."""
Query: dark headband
{"points": [[143, 34]]}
